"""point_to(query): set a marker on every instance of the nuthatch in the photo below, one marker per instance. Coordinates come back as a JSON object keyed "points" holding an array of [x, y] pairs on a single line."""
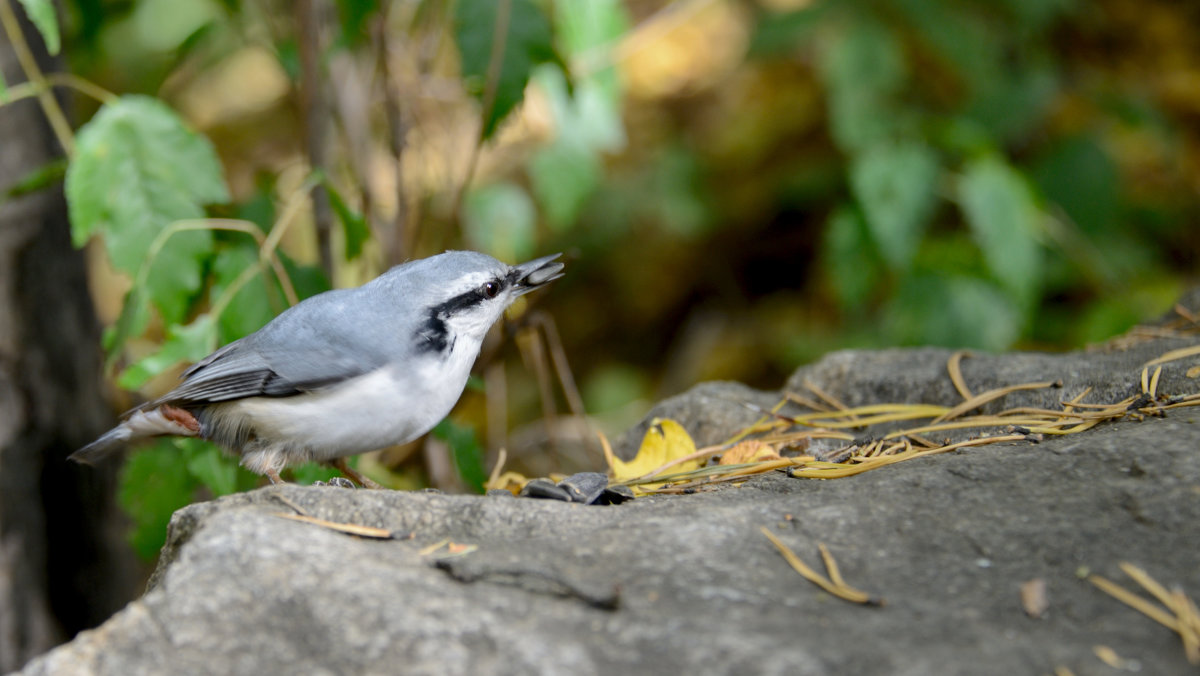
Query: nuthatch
{"points": [[343, 372]]}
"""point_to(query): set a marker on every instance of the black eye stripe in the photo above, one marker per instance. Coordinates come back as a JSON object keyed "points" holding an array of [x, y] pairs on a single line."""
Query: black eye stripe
{"points": [[469, 299], [434, 335]]}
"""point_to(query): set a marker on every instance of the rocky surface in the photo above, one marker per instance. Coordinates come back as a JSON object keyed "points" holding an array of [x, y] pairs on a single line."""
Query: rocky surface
{"points": [[689, 583]]}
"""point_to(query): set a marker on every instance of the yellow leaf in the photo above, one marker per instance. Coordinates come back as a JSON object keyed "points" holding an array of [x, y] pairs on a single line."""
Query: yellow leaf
{"points": [[510, 481], [665, 441], [748, 451]]}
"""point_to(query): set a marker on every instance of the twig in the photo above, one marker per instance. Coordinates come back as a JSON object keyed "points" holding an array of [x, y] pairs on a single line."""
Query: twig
{"points": [[315, 116], [991, 395], [833, 584], [399, 239], [1181, 353], [33, 72], [566, 379], [495, 65], [348, 528], [954, 367]]}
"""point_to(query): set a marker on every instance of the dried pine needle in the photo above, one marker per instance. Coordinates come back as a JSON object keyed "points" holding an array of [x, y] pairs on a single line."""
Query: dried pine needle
{"points": [[826, 397], [1109, 656], [1180, 615], [429, 549], [1134, 601], [1148, 583], [834, 584], [828, 416], [954, 367], [991, 395], [1181, 353], [348, 528]]}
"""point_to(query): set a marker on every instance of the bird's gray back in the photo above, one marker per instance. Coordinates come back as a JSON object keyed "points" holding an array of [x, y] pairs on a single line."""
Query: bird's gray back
{"points": [[333, 336]]}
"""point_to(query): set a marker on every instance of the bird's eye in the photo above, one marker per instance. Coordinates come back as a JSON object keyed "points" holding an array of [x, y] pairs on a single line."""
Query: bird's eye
{"points": [[491, 289]]}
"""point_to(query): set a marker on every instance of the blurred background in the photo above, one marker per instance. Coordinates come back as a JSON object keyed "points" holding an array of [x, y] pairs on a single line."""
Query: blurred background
{"points": [[738, 187]]}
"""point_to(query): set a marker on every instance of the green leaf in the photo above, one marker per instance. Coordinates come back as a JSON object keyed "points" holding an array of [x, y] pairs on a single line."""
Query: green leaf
{"points": [[895, 185], [862, 69], [41, 13], [780, 33], [168, 25], [3, 88], [589, 117], [177, 272], [250, 309], [42, 177], [1015, 103], [500, 219], [465, 450], [154, 483], [476, 384], [312, 472], [963, 40], [588, 29], [952, 311], [134, 317], [137, 169], [354, 225], [676, 198], [1081, 177], [612, 387], [563, 176], [527, 42], [584, 26], [189, 343], [309, 280], [849, 258], [567, 172], [210, 466], [354, 15], [1003, 217]]}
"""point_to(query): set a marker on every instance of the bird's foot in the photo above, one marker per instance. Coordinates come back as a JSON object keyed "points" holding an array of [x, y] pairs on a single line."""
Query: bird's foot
{"points": [[353, 474], [336, 482]]}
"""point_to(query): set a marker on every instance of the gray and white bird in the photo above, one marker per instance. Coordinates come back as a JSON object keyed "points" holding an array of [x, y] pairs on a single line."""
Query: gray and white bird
{"points": [[343, 372]]}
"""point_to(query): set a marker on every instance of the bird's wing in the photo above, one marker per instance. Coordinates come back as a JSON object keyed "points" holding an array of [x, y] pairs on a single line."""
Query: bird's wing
{"points": [[295, 353]]}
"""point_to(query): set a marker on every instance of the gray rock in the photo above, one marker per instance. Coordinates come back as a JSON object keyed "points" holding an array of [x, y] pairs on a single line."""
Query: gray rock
{"points": [[689, 583]]}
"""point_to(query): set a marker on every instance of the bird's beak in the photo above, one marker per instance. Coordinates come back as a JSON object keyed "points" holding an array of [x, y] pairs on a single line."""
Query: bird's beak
{"points": [[536, 273]]}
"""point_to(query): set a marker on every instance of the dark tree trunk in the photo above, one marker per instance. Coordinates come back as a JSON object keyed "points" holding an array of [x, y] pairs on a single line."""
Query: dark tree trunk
{"points": [[63, 565]]}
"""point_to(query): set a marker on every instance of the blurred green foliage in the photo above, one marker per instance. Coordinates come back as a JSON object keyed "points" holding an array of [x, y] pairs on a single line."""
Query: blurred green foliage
{"points": [[740, 186]]}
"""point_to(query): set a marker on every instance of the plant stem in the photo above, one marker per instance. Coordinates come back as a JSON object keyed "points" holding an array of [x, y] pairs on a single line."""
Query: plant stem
{"points": [[54, 113], [495, 66]]}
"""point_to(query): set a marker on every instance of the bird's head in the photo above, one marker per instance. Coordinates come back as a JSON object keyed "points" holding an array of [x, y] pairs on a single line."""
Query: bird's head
{"points": [[463, 293]]}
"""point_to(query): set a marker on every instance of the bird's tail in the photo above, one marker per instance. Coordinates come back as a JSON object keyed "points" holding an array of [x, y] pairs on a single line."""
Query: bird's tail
{"points": [[110, 441], [140, 425]]}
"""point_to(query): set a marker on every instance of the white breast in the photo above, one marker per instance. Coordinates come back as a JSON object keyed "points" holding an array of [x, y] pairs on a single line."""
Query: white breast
{"points": [[388, 406]]}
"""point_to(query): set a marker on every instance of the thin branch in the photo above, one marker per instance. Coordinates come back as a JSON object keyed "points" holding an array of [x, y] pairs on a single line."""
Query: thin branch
{"points": [[495, 66], [315, 115], [33, 73], [399, 239], [86, 87]]}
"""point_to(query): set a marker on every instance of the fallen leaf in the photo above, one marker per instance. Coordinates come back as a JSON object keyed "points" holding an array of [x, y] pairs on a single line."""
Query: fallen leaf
{"points": [[1109, 656], [510, 481], [1033, 598], [748, 451], [665, 441]]}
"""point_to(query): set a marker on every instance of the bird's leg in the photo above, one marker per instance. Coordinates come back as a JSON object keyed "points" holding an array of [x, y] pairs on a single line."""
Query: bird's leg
{"points": [[353, 474], [273, 475]]}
